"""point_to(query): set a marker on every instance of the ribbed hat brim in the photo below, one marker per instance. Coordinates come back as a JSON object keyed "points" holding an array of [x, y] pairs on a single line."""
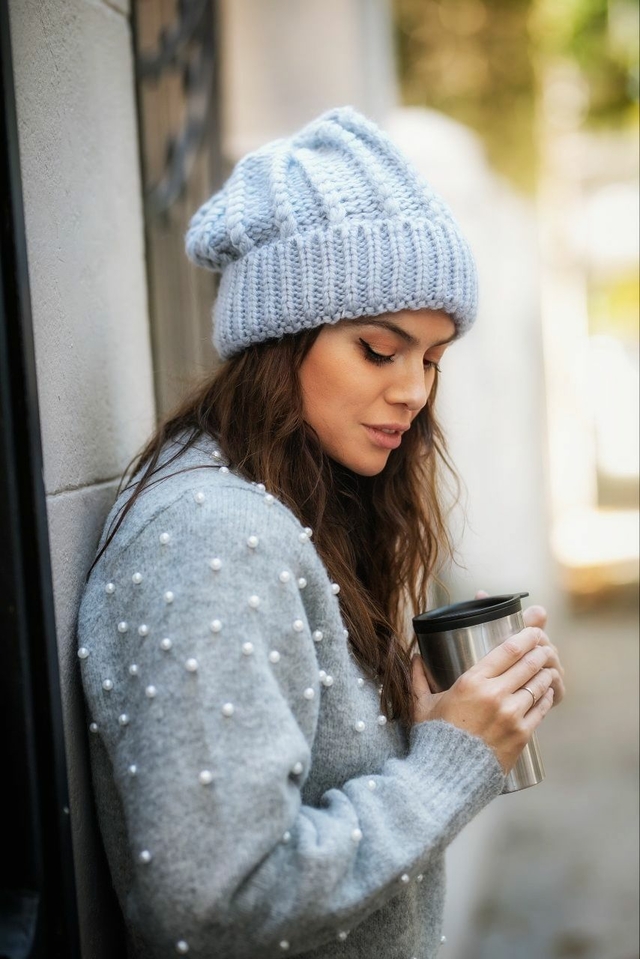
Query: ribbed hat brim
{"points": [[356, 269]]}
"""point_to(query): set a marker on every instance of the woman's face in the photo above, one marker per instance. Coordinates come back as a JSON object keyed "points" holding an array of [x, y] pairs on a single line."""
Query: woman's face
{"points": [[364, 381]]}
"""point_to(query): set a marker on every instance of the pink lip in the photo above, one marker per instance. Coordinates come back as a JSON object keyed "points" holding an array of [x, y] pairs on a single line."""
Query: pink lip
{"points": [[388, 441]]}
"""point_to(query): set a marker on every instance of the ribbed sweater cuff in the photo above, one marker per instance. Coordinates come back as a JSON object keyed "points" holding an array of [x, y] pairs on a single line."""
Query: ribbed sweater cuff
{"points": [[465, 767]]}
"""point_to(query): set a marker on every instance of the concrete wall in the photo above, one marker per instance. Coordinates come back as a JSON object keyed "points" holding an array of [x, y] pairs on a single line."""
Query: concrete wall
{"points": [[78, 144]]}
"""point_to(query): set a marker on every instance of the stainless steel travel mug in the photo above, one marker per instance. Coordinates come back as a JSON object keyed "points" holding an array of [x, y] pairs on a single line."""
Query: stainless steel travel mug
{"points": [[453, 638]]}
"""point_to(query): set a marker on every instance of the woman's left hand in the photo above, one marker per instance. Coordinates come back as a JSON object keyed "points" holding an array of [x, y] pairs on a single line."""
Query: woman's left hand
{"points": [[537, 616]]}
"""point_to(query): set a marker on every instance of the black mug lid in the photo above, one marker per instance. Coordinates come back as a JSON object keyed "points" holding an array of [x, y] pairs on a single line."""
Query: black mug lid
{"points": [[470, 613]]}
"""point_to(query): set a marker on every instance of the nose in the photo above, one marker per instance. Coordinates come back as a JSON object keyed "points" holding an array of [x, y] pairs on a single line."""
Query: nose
{"points": [[410, 387]]}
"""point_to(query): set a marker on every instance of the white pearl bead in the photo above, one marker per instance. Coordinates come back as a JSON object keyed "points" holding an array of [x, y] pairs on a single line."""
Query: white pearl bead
{"points": [[224, 469], [356, 835], [143, 630], [191, 665], [217, 455], [133, 669], [359, 726], [405, 878], [199, 498], [371, 784], [132, 770], [165, 643], [302, 582], [254, 602], [151, 692], [318, 635], [107, 685], [284, 576], [298, 625], [252, 542], [328, 681], [268, 499], [247, 649], [182, 947], [164, 538], [227, 709], [297, 768], [110, 588], [123, 719], [274, 656], [443, 939], [215, 625], [123, 627], [215, 564], [284, 945], [342, 935], [345, 633], [93, 727], [286, 837], [382, 720], [308, 531], [322, 675], [360, 681], [261, 487], [83, 652], [303, 537], [136, 578], [419, 877], [205, 777], [308, 693], [169, 596], [335, 589], [145, 856]]}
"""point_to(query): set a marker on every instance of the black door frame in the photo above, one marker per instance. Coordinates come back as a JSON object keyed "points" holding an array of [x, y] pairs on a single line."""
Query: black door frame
{"points": [[38, 910]]}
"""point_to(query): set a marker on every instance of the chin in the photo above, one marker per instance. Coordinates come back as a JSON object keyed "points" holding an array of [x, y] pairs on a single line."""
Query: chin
{"points": [[366, 468]]}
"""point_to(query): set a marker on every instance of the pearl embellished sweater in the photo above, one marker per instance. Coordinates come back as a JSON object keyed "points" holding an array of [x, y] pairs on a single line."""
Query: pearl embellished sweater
{"points": [[253, 800]]}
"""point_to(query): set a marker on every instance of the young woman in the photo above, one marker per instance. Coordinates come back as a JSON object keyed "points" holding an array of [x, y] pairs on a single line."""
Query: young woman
{"points": [[272, 774]]}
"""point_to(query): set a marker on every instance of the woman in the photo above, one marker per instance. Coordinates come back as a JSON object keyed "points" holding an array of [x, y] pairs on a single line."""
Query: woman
{"points": [[272, 773]]}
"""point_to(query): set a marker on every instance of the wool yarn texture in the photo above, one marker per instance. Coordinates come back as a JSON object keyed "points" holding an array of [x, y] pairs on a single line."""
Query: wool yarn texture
{"points": [[330, 223]]}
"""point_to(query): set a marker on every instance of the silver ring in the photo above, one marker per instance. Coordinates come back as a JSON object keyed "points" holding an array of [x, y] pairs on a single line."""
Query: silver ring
{"points": [[531, 693]]}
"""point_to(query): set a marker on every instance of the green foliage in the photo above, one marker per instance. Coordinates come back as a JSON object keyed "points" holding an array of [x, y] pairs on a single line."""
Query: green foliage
{"points": [[478, 61]]}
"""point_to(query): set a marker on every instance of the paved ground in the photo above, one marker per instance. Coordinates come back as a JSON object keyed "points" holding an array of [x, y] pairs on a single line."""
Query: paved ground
{"points": [[560, 879]]}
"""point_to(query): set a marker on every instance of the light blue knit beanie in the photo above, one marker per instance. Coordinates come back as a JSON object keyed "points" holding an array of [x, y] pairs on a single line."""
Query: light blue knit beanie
{"points": [[330, 223]]}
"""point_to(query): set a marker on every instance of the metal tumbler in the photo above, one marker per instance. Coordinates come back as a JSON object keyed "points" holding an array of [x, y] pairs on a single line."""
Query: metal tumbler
{"points": [[453, 638]]}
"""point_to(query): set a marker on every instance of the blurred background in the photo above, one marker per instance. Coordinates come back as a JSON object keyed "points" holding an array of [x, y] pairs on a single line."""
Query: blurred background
{"points": [[523, 114]]}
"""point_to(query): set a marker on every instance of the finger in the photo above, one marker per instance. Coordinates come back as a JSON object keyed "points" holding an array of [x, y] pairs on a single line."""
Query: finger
{"points": [[555, 665], [504, 656], [522, 672], [535, 616], [420, 681], [529, 694], [537, 713]]}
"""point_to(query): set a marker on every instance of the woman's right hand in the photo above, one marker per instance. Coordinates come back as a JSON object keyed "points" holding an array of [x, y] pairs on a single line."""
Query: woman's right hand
{"points": [[489, 700]]}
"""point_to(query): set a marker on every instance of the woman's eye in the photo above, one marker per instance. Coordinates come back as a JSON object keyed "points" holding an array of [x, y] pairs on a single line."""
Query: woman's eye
{"points": [[432, 365], [373, 357]]}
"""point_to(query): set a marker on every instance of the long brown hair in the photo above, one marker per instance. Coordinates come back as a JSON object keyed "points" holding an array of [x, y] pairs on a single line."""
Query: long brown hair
{"points": [[382, 538]]}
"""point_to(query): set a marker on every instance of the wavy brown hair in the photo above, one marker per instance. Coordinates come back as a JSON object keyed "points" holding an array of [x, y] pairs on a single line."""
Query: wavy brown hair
{"points": [[382, 538]]}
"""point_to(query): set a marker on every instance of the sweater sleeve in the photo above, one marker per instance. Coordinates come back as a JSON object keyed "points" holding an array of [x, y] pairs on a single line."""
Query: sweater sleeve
{"points": [[201, 677]]}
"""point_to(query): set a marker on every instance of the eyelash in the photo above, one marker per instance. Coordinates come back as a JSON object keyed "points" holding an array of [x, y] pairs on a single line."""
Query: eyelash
{"points": [[380, 359]]}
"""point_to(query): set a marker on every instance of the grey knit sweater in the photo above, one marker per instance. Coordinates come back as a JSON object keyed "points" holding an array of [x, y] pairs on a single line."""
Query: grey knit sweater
{"points": [[253, 800]]}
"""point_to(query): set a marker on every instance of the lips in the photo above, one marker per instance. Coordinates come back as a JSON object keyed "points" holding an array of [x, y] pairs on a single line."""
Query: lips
{"points": [[387, 435]]}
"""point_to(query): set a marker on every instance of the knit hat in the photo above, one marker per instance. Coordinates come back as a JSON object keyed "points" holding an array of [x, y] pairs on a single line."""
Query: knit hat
{"points": [[330, 223]]}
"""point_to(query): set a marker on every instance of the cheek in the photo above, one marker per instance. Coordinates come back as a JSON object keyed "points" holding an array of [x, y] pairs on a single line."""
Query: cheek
{"points": [[326, 388]]}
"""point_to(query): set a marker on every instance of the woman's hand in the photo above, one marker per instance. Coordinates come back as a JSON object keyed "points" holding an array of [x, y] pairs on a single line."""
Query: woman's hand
{"points": [[489, 700], [537, 616]]}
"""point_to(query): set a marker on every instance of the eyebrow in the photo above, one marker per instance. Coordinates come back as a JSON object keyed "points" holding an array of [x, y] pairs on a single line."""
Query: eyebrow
{"points": [[394, 328]]}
